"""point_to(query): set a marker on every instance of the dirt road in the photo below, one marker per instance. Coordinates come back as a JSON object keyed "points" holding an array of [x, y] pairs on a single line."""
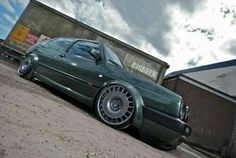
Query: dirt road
{"points": [[36, 122]]}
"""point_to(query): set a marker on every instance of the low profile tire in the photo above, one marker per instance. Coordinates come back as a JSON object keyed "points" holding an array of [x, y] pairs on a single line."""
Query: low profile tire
{"points": [[115, 106], [25, 68]]}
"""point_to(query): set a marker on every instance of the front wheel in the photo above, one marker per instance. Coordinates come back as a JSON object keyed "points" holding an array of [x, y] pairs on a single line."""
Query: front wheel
{"points": [[115, 106], [25, 68]]}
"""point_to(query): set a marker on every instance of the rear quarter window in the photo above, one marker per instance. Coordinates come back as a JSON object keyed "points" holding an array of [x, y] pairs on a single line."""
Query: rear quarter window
{"points": [[59, 44]]}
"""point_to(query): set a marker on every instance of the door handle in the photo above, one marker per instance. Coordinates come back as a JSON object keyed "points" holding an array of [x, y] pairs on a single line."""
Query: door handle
{"points": [[62, 55]]}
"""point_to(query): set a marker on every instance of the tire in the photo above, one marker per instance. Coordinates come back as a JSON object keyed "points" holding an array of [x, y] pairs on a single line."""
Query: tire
{"points": [[26, 67], [115, 106]]}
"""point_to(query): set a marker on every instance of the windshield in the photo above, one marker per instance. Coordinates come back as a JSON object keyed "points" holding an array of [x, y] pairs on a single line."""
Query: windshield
{"points": [[111, 57]]}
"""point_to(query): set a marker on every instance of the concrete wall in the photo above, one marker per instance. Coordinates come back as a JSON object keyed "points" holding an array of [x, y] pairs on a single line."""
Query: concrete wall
{"points": [[211, 116], [40, 20]]}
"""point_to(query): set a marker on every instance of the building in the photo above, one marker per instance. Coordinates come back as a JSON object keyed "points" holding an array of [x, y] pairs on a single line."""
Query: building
{"points": [[31, 28], [220, 76], [210, 93]]}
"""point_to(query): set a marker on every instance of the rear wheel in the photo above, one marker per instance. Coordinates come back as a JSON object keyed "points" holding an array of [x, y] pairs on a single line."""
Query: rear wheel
{"points": [[25, 68], [115, 106]]}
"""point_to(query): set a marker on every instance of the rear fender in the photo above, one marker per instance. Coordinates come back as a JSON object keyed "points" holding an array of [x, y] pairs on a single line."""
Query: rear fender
{"points": [[138, 114]]}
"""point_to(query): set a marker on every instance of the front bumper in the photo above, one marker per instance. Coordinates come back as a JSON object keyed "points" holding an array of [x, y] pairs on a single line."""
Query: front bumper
{"points": [[163, 127]]}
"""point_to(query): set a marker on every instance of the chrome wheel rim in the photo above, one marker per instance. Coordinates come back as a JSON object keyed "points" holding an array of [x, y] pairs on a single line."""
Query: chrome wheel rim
{"points": [[24, 65], [115, 105]]}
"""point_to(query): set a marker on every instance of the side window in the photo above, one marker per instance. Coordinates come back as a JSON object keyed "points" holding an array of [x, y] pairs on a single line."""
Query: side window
{"points": [[59, 44], [82, 48], [112, 58]]}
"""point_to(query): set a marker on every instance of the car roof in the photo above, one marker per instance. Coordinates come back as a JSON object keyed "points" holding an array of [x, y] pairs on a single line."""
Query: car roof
{"points": [[79, 39]]}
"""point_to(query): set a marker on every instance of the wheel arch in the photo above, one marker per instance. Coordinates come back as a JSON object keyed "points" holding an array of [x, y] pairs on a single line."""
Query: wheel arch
{"points": [[138, 114], [35, 56]]}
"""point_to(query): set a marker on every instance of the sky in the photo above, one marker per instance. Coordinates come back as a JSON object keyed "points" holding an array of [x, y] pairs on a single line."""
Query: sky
{"points": [[183, 33]]}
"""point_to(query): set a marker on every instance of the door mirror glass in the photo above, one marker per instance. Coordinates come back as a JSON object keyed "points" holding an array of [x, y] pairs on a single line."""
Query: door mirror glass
{"points": [[95, 54]]}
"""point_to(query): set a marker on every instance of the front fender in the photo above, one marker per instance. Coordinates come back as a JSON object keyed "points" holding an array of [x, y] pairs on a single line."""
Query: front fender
{"points": [[138, 114], [35, 56]]}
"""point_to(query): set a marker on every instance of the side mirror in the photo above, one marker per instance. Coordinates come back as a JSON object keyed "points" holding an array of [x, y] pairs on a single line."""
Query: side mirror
{"points": [[96, 54]]}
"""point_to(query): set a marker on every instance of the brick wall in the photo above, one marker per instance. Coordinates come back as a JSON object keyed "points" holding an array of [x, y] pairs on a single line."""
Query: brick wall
{"points": [[232, 145], [211, 116]]}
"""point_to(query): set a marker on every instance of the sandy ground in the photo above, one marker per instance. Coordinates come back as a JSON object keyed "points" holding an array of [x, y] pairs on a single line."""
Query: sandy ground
{"points": [[36, 121]]}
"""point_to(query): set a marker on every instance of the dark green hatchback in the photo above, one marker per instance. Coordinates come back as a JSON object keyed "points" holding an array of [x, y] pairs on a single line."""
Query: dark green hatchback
{"points": [[91, 72]]}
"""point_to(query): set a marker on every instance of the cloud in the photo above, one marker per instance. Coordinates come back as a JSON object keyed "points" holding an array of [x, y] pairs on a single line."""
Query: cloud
{"points": [[229, 46], [229, 11], [209, 33], [97, 14], [22, 3], [194, 61], [134, 22], [188, 5], [4, 28], [204, 33], [7, 6], [158, 26], [232, 49], [151, 20], [9, 18]]}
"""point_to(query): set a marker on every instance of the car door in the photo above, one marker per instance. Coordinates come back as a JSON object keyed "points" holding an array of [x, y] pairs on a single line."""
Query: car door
{"points": [[49, 58], [82, 70], [113, 67]]}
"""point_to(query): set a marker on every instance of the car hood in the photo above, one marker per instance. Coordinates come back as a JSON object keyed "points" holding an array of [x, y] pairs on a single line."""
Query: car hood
{"points": [[156, 96], [153, 87]]}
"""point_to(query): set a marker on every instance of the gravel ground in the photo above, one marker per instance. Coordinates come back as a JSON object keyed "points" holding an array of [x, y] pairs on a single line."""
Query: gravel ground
{"points": [[36, 122]]}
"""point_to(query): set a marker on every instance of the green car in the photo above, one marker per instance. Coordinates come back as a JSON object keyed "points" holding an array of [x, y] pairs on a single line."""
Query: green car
{"points": [[91, 72]]}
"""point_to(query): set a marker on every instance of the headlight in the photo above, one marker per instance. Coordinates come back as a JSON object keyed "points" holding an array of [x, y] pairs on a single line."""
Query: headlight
{"points": [[183, 113]]}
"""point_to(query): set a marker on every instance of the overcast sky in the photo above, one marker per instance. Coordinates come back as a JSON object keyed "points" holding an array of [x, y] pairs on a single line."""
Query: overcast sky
{"points": [[184, 33]]}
